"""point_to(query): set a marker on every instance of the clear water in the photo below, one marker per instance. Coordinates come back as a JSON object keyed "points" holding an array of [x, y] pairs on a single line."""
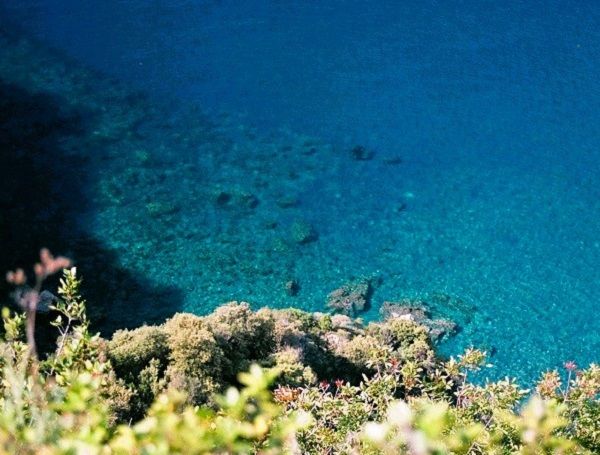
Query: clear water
{"points": [[493, 108]]}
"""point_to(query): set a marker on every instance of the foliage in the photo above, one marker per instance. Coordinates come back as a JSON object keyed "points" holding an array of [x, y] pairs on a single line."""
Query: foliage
{"points": [[66, 404], [325, 385]]}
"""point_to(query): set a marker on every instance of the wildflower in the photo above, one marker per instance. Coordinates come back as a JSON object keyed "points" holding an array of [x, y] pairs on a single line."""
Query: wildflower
{"points": [[549, 383], [339, 383], [570, 365], [49, 264], [375, 432], [324, 385], [285, 394]]}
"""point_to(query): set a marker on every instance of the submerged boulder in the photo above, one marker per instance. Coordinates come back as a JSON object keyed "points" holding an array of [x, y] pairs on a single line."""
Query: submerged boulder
{"points": [[160, 209], [287, 201], [303, 232], [351, 298], [235, 199], [393, 160], [292, 287], [361, 153]]}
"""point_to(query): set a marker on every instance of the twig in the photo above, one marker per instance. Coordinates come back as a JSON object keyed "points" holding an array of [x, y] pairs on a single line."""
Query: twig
{"points": [[28, 298]]}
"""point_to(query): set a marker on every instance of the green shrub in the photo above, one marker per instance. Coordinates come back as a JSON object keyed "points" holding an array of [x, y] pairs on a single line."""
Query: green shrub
{"points": [[407, 399], [195, 358], [292, 371], [130, 351], [242, 335]]}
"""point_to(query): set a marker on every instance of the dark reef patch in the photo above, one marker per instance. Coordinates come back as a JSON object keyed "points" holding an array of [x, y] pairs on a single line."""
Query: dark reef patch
{"points": [[47, 161]]}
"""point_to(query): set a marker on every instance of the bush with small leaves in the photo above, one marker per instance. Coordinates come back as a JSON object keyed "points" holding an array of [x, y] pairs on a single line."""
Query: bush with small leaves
{"points": [[579, 394], [292, 371], [195, 358], [244, 336], [366, 352], [130, 351], [399, 398]]}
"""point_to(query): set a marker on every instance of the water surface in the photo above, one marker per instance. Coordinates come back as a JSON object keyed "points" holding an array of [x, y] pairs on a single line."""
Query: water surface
{"points": [[492, 108]]}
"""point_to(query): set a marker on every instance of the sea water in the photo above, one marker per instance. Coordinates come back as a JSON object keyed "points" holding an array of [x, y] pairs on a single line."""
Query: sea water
{"points": [[479, 193]]}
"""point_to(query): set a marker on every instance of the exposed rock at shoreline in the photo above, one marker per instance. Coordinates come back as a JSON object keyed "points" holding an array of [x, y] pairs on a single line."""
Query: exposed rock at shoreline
{"points": [[417, 311], [351, 298]]}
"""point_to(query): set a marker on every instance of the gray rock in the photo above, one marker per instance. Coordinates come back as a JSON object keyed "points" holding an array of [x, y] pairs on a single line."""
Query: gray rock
{"points": [[351, 298]]}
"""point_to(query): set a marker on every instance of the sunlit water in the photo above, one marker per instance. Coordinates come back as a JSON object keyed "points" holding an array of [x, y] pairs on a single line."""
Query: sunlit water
{"points": [[492, 107]]}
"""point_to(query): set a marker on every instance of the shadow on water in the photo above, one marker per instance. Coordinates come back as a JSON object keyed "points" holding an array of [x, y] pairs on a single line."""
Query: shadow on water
{"points": [[43, 188]]}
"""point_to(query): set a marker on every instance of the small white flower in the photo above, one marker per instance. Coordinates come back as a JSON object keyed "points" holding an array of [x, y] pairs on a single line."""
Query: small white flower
{"points": [[376, 432], [303, 419], [232, 395], [399, 414], [529, 436]]}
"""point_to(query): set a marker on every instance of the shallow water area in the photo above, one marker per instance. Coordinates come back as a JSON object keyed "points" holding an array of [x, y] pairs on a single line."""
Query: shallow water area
{"points": [[483, 184]]}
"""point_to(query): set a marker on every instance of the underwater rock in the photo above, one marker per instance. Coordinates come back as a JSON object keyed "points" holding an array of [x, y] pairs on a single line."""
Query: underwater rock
{"points": [[286, 202], [392, 161], [441, 328], [222, 198], [351, 298], [361, 153], [238, 199], [248, 200], [303, 232], [292, 287], [158, 209], [279, 245], [110, 191], [270, 224], [460, 310], [401, 207], [417, 311], [142, 156]]}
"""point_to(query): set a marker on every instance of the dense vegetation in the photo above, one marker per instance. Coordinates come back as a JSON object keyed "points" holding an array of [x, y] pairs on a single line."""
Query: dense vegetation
{"points": [[271, 381]]}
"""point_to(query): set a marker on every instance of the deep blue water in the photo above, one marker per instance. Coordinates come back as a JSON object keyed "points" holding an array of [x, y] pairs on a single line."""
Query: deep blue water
{"points": [[493, 107]]}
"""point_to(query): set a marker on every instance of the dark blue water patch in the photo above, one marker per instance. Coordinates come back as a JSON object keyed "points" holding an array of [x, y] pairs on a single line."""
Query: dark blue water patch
{"points": [[426, 77], [491, 108], [46, 189]]}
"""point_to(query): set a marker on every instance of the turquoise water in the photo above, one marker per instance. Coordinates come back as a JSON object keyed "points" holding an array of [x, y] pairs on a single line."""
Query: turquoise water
{"points": [[198, 133]]}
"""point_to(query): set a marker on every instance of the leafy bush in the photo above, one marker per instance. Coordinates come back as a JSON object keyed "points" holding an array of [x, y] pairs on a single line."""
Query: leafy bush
{"points": [[195, 358], [132, 350], [69, 402], [168, 389]]}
